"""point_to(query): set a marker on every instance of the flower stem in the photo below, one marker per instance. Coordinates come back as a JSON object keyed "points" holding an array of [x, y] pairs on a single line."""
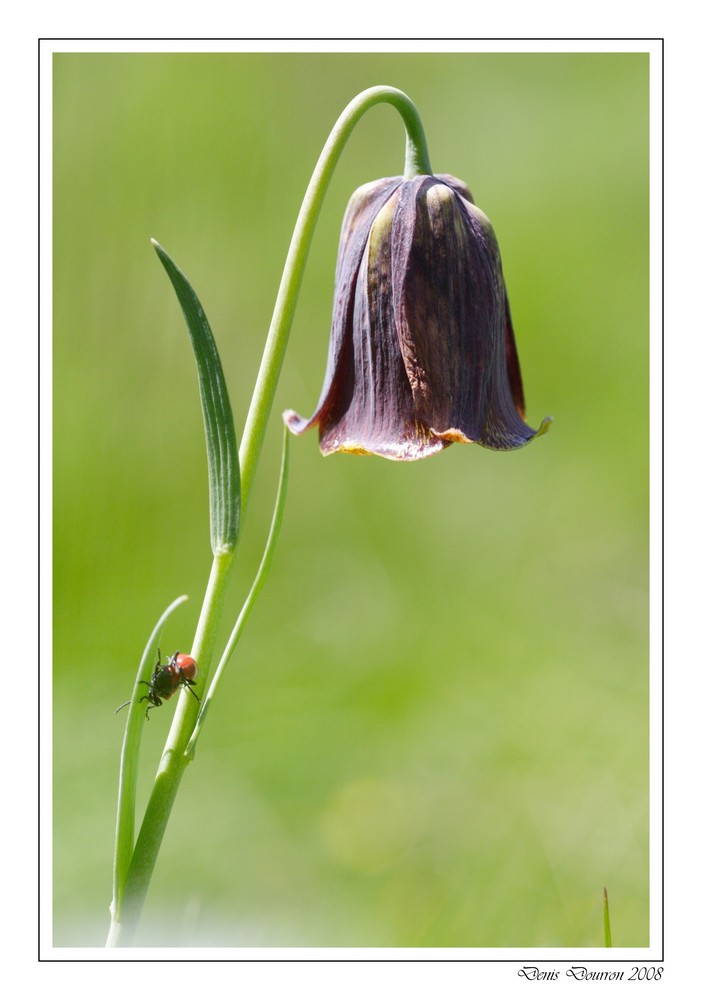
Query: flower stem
{"points": [[416, 162], [174, 760]]}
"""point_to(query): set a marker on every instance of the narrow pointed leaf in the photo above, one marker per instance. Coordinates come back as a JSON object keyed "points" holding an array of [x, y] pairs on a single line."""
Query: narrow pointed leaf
{"points": [[222, 454], [126, 796], [261, 576]]}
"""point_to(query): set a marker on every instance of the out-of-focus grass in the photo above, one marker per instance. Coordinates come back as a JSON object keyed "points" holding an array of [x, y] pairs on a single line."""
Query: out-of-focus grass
{"points": [[435, 729]]}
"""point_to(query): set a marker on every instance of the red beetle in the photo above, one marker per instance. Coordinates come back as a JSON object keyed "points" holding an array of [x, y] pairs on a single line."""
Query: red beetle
{"points": [[179, 670]]}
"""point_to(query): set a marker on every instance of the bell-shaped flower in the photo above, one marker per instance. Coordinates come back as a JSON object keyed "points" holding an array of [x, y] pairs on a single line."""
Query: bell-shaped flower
{"points": [[422, 349]]}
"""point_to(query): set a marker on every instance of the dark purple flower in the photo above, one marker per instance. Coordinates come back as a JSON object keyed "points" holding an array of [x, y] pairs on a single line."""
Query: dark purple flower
{"points": [[422, 350]]}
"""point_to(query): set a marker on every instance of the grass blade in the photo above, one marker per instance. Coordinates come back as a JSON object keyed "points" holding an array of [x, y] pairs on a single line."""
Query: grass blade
{"points": [[607, 928]]}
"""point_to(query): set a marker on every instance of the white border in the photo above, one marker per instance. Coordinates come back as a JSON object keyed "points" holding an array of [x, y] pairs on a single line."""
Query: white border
{"points": [[336, 45], [421, 962]]}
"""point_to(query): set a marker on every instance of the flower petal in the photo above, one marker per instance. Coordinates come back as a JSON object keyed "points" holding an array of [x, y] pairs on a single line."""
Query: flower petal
{"points": [[380, 417], [362, 209], [452, 319]]}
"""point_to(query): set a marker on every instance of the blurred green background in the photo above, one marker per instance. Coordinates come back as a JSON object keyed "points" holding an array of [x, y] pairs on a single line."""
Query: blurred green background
{"points": [[435, 730]]}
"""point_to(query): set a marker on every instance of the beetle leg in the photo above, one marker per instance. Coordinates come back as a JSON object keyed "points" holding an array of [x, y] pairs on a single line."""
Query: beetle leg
{"points": [[188, 685]]}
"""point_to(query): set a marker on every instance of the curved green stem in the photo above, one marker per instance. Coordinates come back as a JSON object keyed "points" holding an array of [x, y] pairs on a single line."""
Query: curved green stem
{"points": [[416, 162], [175, 759]]}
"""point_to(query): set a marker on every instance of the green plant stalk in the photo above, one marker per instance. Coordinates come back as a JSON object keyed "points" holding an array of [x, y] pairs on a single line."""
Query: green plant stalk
{"points": [[174, 760], [416, 162], [127, 909]]}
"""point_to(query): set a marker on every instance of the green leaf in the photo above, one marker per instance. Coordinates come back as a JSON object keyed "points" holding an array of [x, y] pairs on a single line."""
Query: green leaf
{"points": [[222, 455], [126, 796], [261, 576]]}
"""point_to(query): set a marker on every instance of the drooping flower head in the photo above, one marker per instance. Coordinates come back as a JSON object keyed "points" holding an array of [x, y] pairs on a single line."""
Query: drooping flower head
{"points": [[422, 350]]}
